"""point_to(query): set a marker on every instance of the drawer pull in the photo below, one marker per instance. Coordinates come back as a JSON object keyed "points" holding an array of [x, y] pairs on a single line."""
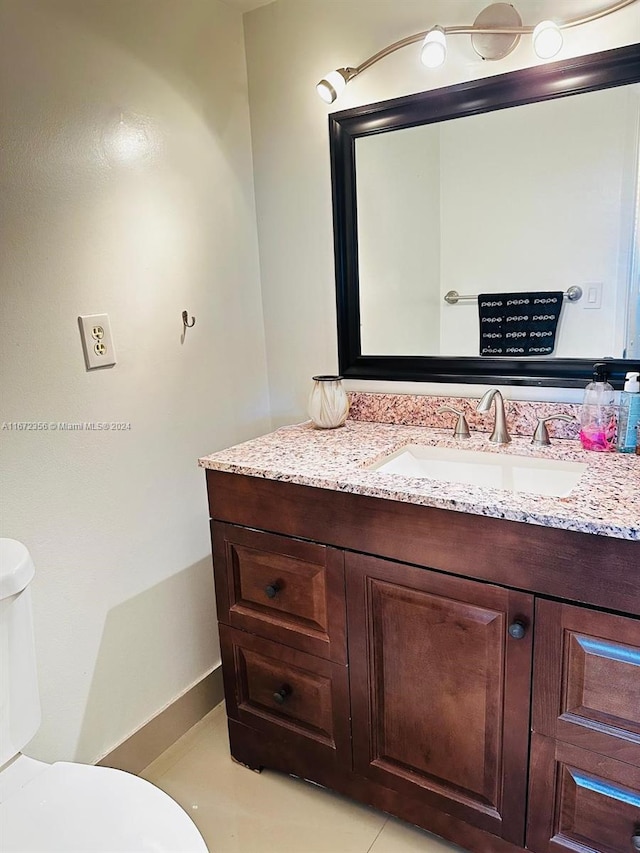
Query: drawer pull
{"points": [[635, 840], [272, 589], [281, 696], [517, 630]]}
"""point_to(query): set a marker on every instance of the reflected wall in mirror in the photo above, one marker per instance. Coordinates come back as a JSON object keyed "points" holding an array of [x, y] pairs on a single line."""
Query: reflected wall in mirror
{"points": [[449, 190], [538, 197]]}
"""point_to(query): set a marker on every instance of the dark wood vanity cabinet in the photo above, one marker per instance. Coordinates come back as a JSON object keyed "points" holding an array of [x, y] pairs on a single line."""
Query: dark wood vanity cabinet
{"points": [[440, 690], [500, 716], [282, 614], [585, 747]]}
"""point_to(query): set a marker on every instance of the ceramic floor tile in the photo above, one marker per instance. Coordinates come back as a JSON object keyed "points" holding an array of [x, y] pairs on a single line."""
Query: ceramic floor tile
{"points": [[399, 837], [214, 721], [238, 811]]}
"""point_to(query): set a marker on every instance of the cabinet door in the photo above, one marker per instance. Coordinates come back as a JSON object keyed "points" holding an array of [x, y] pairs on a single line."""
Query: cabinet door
{"points": [[587, 679], [581, 802], [440, 690]]}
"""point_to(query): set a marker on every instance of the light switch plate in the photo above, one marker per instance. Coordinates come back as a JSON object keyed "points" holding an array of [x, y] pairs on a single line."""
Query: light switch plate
{"points": [[592, 295], [97, 343]]}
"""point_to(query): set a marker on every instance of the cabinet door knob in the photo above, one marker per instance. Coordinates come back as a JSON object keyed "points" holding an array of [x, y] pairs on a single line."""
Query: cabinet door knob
{"points": [[272, 589], [281, 695], [635, 840], [517, 630]]}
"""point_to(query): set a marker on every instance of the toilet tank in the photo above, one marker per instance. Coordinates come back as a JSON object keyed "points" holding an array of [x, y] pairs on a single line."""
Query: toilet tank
{"points": [[19, 699]]}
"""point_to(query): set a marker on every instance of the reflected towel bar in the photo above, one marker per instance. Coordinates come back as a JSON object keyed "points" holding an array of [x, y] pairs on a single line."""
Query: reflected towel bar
{"points": [[573, 294]]}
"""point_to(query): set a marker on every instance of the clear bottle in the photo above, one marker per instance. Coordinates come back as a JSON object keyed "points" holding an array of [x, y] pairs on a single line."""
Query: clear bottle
{"points": [[629, 414], [598, 413]]}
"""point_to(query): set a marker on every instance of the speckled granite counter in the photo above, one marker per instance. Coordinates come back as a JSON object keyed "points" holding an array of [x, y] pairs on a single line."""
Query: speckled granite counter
{"points": [[606, 500]]}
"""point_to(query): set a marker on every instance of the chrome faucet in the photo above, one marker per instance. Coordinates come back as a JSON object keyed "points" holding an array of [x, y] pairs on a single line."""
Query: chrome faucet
{"points": [[500, 434]]}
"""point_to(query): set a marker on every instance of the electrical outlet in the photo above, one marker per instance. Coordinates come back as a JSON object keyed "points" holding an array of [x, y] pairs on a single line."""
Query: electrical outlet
{"points": [[97, 343]]}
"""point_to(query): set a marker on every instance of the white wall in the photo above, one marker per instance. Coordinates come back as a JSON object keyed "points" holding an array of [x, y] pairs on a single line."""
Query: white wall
{"points": [[117, 522], [290, 46], [399, 241]]}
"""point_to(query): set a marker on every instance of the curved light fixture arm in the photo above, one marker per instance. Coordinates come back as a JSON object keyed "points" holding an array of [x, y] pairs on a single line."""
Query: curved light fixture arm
{"points": [[594, 16], [471, 30]]}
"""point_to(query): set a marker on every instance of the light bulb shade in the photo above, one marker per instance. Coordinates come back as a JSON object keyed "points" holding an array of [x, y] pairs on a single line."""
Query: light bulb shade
{"points": [[332, 85], [547, 39], [434, 48]]}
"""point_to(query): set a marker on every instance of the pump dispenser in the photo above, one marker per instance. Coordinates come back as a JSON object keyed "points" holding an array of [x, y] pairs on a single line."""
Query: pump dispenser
{"points": [[629, 414], [598, 414]]}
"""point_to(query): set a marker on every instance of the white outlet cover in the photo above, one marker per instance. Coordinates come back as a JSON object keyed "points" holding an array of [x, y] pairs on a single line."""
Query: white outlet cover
{"points": [[592, 295], [95, 331]]}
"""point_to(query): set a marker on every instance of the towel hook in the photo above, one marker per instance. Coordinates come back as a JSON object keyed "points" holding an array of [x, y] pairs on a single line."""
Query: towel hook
{"points": [[185, 321]]}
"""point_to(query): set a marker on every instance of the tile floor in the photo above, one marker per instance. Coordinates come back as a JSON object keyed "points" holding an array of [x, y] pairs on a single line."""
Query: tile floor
{"points": [[238, 811]]}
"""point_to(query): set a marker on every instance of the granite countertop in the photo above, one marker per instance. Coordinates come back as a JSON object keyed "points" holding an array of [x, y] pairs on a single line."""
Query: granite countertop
{"points": [[605, 502]]}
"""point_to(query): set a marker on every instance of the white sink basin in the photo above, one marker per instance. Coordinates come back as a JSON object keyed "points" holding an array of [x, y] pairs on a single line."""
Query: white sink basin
{"points": [[549, 477]]}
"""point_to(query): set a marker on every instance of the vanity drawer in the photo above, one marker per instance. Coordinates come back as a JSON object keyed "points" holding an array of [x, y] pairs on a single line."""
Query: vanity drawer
{"points": [[285, 692], [587, 679], [283, 589], [581, 801]]}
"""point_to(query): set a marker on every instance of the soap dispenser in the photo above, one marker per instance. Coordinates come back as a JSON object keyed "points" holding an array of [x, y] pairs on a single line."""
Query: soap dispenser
{"points": [[597, 416], [629, 414]]}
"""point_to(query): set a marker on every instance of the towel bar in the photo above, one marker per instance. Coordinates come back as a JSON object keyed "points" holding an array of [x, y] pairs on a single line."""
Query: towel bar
{"points": [[573, 294]]}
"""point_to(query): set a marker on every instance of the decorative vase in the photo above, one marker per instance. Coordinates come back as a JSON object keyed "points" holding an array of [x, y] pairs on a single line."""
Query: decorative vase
{"points": [[328, 402]]}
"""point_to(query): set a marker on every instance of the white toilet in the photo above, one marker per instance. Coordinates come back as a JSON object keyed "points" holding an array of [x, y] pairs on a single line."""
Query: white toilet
{"points": [[70, 808]]}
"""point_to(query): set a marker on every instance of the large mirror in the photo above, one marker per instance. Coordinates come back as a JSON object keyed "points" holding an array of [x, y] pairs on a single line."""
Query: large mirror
{"points": [[495, 186]]}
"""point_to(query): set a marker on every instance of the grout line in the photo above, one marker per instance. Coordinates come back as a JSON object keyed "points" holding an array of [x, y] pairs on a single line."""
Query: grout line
{"points": [[369, 849]]}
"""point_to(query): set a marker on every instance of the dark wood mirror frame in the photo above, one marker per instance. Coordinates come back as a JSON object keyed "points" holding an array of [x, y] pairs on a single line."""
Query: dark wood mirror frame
{"points": [[556, 80]]}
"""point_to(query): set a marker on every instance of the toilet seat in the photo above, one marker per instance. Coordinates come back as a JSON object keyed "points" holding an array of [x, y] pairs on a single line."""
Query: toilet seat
{"points": [[77, 808]]}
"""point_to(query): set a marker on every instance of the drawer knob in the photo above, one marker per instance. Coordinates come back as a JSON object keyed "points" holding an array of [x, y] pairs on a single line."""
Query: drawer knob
{"points": [[281, 695], [635, 840], [517, 630], [272, 589]]}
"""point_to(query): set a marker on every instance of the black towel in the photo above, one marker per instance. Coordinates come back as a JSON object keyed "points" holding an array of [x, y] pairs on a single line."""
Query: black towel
{"points": [[519, 324]]}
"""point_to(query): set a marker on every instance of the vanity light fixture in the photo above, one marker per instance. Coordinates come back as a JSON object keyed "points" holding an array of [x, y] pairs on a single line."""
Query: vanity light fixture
{"points": [[333, 84], [434, 49], [547, 39], [494, 34]]}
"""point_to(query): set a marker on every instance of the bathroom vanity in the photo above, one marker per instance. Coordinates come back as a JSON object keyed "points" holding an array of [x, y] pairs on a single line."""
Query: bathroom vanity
{"points": [[465, 658]]}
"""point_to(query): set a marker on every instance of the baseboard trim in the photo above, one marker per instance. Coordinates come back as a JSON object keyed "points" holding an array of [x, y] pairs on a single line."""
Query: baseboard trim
{"points": [[151, 739]]}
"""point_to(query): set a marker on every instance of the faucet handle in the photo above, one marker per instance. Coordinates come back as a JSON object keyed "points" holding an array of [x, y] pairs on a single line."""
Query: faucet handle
{"points": [[541, 435], [462, 427]]}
